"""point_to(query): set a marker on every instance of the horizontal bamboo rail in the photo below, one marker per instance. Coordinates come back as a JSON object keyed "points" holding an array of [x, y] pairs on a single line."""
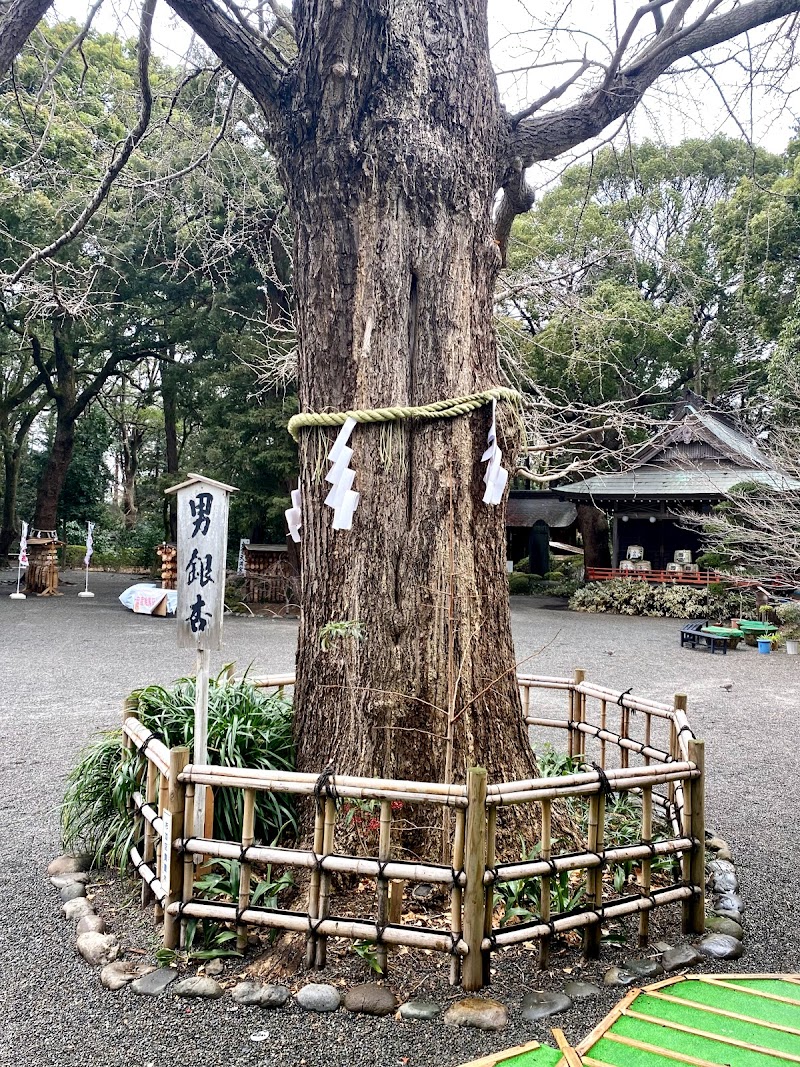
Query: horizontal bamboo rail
{"points": [[355, 929], [514, 935], [659, 761], [307, 785], [403, 870], [510, 872]]}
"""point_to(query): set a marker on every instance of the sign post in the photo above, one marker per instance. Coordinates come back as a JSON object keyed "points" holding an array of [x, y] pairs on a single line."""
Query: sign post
{"points": [[202, 548], [22, 561]]}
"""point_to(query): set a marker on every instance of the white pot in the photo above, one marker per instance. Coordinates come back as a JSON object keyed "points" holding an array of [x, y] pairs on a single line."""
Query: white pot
{"points": [[792, 648]]}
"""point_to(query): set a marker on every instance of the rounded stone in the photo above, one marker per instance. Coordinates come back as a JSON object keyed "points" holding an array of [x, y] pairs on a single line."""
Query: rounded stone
{"points": [[482, 1013], [98, 949], [420, 1010], [718, 924], [198, 986], [121, 973], [318, 996], [370, 999], [619, 976], [720, 865], [721, 947], [68, 864], [539, 1004], [76, 909], [680, 956], [72, 891], [581, 990], [90, 924], [61, 880], [714, 843], [214, 968], [724, 853], [725, 902], [255, 995], [150, 985], [724, 882], [644, 968]]}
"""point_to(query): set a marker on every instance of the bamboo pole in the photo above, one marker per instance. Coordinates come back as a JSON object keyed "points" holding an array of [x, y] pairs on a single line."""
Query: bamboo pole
{"points": [[578, 710], [488, 900], [654, 1050], [648, 734], [245, 869], [148, 875], [696, 916], [325, 878], [475, 866], [173, 863], [382, 889], [544, 895], [606, 1023], [679, 704], [593, 933], [641, 777], [575, 861], [396, 890], [624, 732], [644, 877], [513, 935], [313, 886], [571, 1057], [572, 700], [553, 724], [163, 801], [297, 922], [157, 751], [148, 847], [617, 777], [603, 724], [456, 894], [188, 857], [709, 1009]]}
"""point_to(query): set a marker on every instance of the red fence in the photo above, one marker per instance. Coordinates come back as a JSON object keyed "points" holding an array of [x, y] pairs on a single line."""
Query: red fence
{"points": [[605, 574]]}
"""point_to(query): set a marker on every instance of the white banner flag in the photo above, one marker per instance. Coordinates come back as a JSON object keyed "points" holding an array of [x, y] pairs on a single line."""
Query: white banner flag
{"points": [[23, 546], [89, 544]]}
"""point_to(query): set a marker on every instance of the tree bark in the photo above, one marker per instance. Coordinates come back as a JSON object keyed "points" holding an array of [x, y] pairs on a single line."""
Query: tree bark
{"points": [[18, 20], [593, 526], [169, 403], [45, 514], [395, 263]]}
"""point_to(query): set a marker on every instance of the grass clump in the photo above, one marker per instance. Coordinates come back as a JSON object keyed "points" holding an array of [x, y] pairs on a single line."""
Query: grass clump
{"points": [[246, 728]]}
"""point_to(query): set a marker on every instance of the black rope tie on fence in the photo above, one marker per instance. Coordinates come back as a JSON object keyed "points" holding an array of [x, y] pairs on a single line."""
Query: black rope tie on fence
{"points": [[455, 939], [146, 743], [686, 729], [455, 876], [605, 786], [325, 787], [243, 853], [313, 926], [622, 696]]}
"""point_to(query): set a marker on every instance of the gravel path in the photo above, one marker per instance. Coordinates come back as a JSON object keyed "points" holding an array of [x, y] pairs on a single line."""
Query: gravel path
{"points": [[65, 666]]}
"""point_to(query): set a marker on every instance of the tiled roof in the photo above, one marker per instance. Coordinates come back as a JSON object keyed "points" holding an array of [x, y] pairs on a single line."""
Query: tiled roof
{"points": [[647, 482]]}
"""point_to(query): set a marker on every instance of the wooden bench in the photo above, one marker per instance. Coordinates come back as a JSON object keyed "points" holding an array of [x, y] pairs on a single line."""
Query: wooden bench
{"points": [[692, 634]]}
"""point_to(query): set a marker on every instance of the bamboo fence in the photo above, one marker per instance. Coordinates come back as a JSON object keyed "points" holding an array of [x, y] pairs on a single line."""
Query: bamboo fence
{"points": [[620, 744]]}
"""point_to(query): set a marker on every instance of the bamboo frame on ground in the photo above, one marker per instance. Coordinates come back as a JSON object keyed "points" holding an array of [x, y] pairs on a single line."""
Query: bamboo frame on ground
{"points": [[677, 768]]}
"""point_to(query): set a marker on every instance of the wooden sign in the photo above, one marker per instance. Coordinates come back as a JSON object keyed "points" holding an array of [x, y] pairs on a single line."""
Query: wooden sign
{"points": [[202, 547]]}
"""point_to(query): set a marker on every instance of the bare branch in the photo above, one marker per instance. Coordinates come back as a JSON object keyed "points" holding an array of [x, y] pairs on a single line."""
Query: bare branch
{"points": [[118, 163]]}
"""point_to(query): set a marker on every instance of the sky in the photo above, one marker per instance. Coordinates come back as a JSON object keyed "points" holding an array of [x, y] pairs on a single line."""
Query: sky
{"points": [[686, 105]]}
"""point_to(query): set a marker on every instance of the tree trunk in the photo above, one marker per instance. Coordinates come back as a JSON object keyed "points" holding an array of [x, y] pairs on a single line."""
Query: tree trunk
{"points": [[169, 401], [12, 454], [55, 471], [129, 460], [593, 526], [394, 269]]}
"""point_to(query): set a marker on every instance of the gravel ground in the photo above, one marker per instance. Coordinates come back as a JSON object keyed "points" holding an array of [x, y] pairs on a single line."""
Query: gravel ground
{"points": [[66, 664]]}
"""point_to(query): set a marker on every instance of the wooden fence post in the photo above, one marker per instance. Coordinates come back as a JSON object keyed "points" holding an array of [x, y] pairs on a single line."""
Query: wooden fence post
{"points": [[577, 713], [245, 869], [475, 868], [694, 914], [173, 862], [593, 932]]}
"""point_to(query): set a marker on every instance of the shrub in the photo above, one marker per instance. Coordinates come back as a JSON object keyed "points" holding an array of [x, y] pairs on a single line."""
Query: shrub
{"points": [[630, 596], [524, 566], [519, 584], [246, 728]]}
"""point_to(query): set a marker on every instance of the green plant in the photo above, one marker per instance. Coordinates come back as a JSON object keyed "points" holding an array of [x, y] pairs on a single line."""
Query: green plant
{"points": [[338, 631], [789, 615], [367, 952], [631, 596], [519, 584], [246, 728]]}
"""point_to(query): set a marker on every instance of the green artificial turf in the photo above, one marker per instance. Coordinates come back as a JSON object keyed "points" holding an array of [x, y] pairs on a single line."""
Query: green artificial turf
{"points": [[708, 1045], [544, 1056]]}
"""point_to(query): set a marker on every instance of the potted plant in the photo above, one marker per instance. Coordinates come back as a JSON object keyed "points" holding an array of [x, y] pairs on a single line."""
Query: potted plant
{"points": [[789, 616]]}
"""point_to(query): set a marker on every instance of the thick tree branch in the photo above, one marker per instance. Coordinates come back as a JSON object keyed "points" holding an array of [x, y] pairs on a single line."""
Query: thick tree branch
{"points": [[545, 136], [19, 22], [239, 51]]}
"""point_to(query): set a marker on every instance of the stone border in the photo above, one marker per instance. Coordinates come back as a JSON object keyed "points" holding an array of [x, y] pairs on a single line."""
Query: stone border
{"points": [[723, 940]]}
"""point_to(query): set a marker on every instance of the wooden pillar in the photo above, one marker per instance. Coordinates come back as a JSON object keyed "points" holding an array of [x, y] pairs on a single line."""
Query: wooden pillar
{"points": [[544, 895], [644, 877], [455, 892], [577, 714], [325, 878], [615, 541], [173, 863], [475, 867], [694, 911], [384, 851]]}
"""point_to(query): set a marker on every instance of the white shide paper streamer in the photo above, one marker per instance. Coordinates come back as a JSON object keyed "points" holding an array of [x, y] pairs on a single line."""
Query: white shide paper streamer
{"points": [[342, 498], [294, 516], [496, 475]]}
